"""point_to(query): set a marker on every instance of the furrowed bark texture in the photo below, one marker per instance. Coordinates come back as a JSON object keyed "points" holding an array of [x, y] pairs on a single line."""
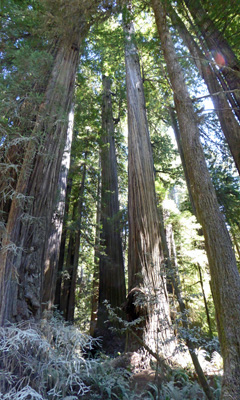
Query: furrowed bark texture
{"points": [[179, 145], [95, 283], [205, 301], [58, 288], [218, 46], [22, 123], [10, 160], [28, 228], [54, 241], [146, 259], [111, 266], [225, 278], [67, 301], [228, 122], [74, 269]]}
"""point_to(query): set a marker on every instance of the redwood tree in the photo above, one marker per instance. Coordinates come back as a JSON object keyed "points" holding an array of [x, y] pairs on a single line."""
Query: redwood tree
{"points": [[225, 280], [28, 228], [111, 267], [228, 122], [145, 255], [220, 50], [54, 241], [67, 300]]}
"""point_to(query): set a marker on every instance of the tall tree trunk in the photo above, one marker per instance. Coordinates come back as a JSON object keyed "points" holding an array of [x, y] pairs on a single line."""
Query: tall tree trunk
{"points": [[225, 278], [12, 150], [236, 243], [54, 241], [95, 282], [58, 288], [218, 46], [145, 255], [205, 301], [111, 267], [67, 301], [24, 247], [10, 158], [67, 270], [71, 300], [229, 124], [179, 145]]}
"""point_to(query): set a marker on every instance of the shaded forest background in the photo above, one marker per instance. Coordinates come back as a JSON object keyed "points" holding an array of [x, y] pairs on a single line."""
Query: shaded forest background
{"points": [[119, 199]]}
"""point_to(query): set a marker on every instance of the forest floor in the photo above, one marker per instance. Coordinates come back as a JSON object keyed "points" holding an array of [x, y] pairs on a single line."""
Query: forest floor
{"points": [[148, 382], [50, 361]]}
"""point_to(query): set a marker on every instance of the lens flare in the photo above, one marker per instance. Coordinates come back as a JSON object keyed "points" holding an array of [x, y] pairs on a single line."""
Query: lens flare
{"points": [[219, 59]]}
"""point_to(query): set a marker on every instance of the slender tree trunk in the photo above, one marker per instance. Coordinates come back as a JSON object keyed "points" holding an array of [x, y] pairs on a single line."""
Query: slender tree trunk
{"points": [[166, 253], [54, 241], [218, 46], [172, 272], [67, 301], [67, 270], [236, 243], [145, 255], [225, 278], [179, 144], [71, 301], [205, 301], [58, 290], [95, 282], [229, 124], [111, 267], [227, 92], [25, 245]]}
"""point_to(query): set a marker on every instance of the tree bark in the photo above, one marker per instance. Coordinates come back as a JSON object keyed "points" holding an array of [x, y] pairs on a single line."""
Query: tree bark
{"points": [[224, 274], [236, 243], [28, 228], [218, 46], [58, 289], [180, 150], [11, 157], [22, 123], [205, 301], [67, 301], [95, 282], [145, 254], [228, 122], [54, 241], [111, 266]]}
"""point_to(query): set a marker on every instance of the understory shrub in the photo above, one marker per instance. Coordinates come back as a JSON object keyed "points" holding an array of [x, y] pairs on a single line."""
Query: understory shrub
{"points": [[43, 361], [49, 361]]}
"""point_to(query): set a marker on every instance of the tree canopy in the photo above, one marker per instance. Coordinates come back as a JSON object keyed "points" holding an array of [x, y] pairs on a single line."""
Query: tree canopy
{"points": [[119, 187]]}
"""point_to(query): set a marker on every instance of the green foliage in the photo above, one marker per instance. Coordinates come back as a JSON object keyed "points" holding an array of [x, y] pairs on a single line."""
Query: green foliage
{"points": [[99, 57], [25, 61], [191, 255], [187, 390], [228, 190], [224, 175], [25, 65], [46, 362], [43, 361], [108, 383]]}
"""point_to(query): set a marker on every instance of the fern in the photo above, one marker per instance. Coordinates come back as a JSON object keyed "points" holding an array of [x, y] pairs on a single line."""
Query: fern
{"points": [[43, 361]]}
